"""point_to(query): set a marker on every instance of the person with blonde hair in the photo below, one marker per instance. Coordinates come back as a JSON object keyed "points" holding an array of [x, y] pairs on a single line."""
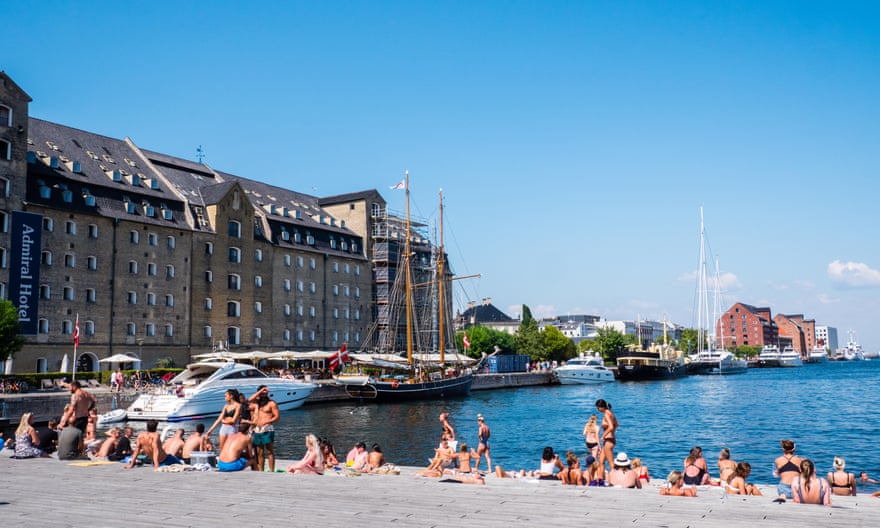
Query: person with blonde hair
{"points": [[483, 448], [807, 488], [27, 439], [591, 436], [842, 483], [726, 466], [675, 486], [641, 469], [312, 463]]}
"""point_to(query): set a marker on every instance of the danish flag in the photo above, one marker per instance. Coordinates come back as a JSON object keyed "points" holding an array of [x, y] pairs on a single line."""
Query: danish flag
{"points": [[339, 358], [467, 342], [76, 333]]}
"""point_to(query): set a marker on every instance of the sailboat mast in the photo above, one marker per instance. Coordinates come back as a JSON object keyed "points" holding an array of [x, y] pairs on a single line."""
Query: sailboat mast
{"points": [[441, 285], [703, 291], [408, 289]]}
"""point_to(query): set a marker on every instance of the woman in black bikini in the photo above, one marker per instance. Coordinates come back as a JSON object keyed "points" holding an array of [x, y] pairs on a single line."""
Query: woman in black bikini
{"points": [[609, 424], [842, 483], [788, 466], [229, 417]]}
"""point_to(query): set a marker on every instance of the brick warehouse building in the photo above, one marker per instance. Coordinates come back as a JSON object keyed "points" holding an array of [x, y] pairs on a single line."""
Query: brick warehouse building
{"points": [[161, 257]]}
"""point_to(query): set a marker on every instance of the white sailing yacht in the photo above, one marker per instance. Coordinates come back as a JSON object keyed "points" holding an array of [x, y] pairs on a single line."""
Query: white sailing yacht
{"points": [[710, 357]]}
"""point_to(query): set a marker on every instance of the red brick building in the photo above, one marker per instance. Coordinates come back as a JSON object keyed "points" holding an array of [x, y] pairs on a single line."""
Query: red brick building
{"points": [[802, 332], [746, 325]]}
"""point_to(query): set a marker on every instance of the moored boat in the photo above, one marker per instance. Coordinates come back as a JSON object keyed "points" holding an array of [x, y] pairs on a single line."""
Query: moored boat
{"points": [[584, 369], [817, 355], [199, 392], [418, 378], [657, 363], [771, 356]]}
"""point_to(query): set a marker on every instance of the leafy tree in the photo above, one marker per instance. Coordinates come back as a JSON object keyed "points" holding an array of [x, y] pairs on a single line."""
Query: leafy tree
{"points": [[586, 344], [689, 341], [610, 343], [556, 346], [10, 329], [484, 340], [528, 338]]}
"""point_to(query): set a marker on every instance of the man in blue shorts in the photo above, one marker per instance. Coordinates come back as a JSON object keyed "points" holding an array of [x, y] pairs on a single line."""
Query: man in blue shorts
{"points": [[150, 445], [237, 452]]}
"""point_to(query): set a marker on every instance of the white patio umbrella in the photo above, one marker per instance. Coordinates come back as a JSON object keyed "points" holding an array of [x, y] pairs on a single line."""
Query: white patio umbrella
{"points": [[120, 358]]}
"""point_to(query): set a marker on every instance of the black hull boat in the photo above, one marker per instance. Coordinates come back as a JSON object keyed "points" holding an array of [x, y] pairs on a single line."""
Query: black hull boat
{"points": [[408, 390], [646, 366]]}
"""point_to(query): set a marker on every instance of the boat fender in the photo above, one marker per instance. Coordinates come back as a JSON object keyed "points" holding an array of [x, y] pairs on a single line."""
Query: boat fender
{"points": [[395, 384]]}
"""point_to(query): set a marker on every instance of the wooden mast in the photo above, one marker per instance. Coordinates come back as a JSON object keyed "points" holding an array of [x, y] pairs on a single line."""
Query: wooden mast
{"points": [[408, 288], [441, 285]]}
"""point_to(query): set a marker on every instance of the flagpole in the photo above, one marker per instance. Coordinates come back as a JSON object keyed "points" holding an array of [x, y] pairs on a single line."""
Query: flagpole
{"points": [[75, 345]]}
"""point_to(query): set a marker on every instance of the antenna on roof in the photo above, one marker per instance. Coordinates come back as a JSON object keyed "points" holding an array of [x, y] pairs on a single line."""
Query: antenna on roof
{"points": [[200, 154]]}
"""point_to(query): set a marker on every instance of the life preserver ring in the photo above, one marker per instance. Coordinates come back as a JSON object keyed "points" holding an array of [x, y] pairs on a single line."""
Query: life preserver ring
{"points": [[395, 384]]}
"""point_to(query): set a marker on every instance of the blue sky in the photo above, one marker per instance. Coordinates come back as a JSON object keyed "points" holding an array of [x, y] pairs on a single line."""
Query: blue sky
{"points": [[575, 141]]}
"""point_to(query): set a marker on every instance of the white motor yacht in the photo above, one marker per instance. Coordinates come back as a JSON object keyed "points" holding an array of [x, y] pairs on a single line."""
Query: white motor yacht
{"points": [[199, 392], [584, 369]]}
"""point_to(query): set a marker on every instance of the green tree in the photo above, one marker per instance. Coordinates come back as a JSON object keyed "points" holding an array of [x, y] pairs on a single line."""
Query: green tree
{"points": [[557, 347], [484, 340], [689, 342], [610, 343], [10, 329], [586, 344], [528, 338]]}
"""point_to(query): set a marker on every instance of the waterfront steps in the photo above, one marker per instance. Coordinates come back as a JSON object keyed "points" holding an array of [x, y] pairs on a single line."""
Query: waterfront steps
{"points": [[49, 493]]}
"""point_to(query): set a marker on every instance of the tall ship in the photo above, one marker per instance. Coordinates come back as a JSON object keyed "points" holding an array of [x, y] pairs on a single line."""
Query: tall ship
{"points": [[413, 317], [710, 358]]}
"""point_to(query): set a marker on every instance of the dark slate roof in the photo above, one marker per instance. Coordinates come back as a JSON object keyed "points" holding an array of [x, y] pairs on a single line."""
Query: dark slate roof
{"points": [[484, 313], [370, 194], [212, 194], [112, 170]]}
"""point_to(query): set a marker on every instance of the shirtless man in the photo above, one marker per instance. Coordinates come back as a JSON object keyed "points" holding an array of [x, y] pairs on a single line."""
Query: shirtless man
{"points": [[448, 431], [150, 445], [237, 452], [174, 445], [195, 442], [263, 436], [78, 411], [443, 457]]}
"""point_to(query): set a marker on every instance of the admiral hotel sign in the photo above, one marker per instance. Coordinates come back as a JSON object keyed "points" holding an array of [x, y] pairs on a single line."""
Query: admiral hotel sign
{"points": [[24, 269]]}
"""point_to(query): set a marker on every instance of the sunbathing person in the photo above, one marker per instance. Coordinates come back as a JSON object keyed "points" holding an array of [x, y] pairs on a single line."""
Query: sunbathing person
{"points": [[358, 458], [675, 486], [174, 445], [195, 442], [443, 457], [376, 458], [238, 451], [572, 473], [623, 475], [312, 463], [464, 458], [149, 444], [736, 483], [109, 445]]}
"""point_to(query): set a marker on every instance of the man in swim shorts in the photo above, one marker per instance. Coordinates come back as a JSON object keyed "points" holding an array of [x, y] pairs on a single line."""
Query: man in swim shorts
{"points": [[150, 445], [238, 451], [264, 430]]}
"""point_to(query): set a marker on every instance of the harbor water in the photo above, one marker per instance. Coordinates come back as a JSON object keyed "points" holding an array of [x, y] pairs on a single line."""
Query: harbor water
{"points": [[827, 409]]}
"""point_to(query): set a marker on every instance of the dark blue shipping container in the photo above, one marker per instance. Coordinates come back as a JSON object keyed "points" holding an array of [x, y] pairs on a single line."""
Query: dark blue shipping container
{"points": [[508, 363]]}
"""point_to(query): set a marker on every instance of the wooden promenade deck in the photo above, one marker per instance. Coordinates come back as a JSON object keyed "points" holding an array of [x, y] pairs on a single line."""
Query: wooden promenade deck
{"points": [[49, 492]]}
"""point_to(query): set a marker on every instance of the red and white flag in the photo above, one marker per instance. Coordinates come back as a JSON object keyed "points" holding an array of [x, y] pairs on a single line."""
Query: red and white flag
{"points": [[339, 358], [76, 333], [467, 342], [401, 185]]}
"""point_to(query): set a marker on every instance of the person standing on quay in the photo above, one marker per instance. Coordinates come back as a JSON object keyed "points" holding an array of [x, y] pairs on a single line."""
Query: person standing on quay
{"points": [[80, 403], [483, 448], [263, 435], [609, 424]]}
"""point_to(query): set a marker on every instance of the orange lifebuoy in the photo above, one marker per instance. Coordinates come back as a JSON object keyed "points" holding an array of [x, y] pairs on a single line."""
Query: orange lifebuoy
{"points": [[395, 384]]}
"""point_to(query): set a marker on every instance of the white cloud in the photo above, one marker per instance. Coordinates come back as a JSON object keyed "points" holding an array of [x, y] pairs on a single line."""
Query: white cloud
{"points": [[853, 275], [543, 310], [827, 299]]}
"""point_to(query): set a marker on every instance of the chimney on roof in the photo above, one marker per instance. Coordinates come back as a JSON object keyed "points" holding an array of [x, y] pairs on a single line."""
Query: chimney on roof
{"points": [[487, 301], [471, 304]]}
